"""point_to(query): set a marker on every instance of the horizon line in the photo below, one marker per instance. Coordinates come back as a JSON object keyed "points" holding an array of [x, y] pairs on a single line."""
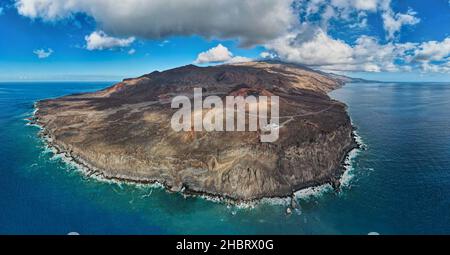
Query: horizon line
{"points": [[119, 80]]}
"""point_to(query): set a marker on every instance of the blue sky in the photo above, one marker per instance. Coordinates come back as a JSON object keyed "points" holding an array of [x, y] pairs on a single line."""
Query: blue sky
{"points": [[111, 40]]}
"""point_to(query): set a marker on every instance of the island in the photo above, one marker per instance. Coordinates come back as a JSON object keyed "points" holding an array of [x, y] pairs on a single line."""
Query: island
{"points": [[123, 132]]}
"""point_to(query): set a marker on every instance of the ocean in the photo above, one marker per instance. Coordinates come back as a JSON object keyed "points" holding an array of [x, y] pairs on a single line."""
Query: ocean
{"points": [[400, 183]]}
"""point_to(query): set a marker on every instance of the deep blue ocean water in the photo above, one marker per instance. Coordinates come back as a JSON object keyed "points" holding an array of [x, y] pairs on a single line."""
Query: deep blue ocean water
{"points": [[400, 184]]}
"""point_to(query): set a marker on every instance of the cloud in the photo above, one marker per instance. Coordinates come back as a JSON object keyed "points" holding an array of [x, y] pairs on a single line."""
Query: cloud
{"points": [[339, 9], [355, 13], [250, 21], [42, 53], [131, 51], [360, 5], [219, 54], [312, 49], [432, 56], [297, 31], [434, 68], [99, 40], [310, 42], [238, 59], [163, 43], [267, 55], [393, 23], [320, 50], [433, 51]]}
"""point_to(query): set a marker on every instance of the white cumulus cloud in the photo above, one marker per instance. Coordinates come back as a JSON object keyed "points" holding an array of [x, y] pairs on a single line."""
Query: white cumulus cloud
{"points": [[42, 53], [311, 49], [433, 51], [219, 54], [99, 40]]}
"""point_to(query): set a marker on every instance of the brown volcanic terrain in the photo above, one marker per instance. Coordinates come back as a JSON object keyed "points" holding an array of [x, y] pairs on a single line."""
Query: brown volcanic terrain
{"points": [[123, 132]]}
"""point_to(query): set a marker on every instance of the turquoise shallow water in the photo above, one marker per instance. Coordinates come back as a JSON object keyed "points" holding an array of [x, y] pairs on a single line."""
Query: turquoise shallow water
{"points": [[400, 184]]}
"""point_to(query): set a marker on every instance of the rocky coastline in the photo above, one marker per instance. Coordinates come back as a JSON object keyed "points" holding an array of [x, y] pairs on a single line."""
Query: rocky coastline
{"points": [[51, 133]]}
